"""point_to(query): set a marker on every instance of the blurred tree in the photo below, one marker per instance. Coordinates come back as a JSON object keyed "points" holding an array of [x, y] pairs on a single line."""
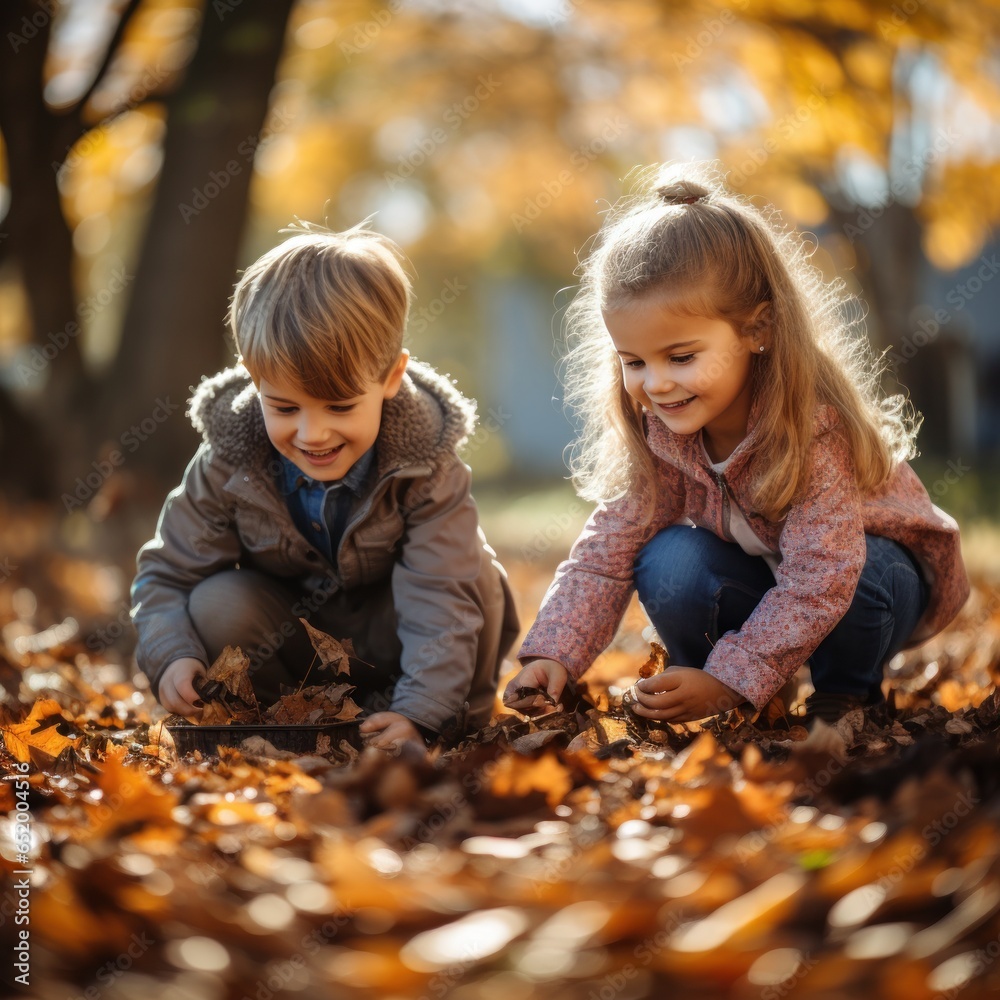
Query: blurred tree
{"points": [[487, 135], [37, 138], [215, 110], [873, 123], [173, 326]]}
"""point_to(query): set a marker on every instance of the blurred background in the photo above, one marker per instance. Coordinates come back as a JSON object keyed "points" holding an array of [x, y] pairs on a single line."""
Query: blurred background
{"points": [[152, 148]]}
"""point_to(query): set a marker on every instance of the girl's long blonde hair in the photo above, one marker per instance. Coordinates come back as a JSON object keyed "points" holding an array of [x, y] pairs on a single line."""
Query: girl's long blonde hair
{"points": [[713, 254]]}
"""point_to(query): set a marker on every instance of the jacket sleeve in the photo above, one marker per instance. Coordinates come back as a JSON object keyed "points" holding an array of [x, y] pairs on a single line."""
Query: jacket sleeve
{"points": [[823, 552], [435, 589], [585, 603], [195, 537]]}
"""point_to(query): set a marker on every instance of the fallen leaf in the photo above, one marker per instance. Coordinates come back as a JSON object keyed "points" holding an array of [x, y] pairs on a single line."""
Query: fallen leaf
{"points": [[215, 713], [523, 693], [36, 732], [517, 777], [531, 742], [348, 710], [656, 662], [316, 703], [232, 669], [333, 653]]}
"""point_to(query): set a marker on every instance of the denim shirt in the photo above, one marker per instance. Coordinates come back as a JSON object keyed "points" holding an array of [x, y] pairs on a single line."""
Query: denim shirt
{"points": [[319, 509]]}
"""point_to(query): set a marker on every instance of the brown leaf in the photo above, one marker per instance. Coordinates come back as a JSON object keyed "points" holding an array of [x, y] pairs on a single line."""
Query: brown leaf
{"points": [[215, 713], [348, 711], [290, 709], [523, 693], [531, 742], [335, 693], [958, 727], [313, 704], [333, 653], [232, 669], [657, 661]]}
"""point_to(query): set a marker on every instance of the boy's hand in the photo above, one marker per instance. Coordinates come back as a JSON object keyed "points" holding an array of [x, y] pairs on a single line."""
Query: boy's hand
{"points": [[682, 694], [389, 731], [177, 693], [546, 675]]}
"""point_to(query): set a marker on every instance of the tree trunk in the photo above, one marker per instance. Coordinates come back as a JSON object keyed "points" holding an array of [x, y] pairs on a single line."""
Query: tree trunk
{"points": [[40, 240], [173, 332], [890, 262]]}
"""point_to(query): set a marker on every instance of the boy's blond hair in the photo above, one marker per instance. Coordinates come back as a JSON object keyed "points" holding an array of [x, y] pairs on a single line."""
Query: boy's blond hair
{"points": [[323, 311]]}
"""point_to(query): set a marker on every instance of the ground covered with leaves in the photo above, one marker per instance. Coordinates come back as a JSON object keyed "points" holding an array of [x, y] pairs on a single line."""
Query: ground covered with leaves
{"points": [[576, 855]]}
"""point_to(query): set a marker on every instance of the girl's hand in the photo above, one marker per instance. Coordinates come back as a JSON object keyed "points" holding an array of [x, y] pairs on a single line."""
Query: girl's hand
{"points": [[176, 692], [682, 694], [546, 675], [389, 731]]}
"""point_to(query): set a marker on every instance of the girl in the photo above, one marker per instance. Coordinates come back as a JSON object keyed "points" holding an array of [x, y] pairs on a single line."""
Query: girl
{"points": [[751, 484]]}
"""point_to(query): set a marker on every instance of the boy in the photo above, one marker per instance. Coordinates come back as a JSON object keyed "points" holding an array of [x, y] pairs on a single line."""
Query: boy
{"points": [[328, 486]]}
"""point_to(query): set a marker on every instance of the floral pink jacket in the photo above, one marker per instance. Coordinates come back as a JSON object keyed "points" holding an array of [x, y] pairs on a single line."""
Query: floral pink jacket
{"points": [[821, 541]]}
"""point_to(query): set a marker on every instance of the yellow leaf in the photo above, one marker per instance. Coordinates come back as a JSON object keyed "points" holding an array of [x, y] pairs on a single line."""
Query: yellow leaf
{"points": [[20, 738], [520, 776]]}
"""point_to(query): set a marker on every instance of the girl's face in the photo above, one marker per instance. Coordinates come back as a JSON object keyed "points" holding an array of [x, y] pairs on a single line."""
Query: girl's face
{"points": [[693, 372]]}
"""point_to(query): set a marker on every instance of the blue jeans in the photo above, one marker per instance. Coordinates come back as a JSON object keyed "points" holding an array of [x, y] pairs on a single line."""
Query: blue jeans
{"points": [[695, 587]]}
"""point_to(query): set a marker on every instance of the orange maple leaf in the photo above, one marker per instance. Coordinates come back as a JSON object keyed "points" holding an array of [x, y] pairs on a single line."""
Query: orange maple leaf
{"points": [[20, 738]]}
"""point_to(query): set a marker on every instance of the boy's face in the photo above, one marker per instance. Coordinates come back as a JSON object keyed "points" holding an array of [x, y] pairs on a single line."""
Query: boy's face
{"points": [[325, 437]]}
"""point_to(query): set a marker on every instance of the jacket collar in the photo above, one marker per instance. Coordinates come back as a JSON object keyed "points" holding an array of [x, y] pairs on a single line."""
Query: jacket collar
{"points": [[428, 420], [686, 451], [291, 478]]}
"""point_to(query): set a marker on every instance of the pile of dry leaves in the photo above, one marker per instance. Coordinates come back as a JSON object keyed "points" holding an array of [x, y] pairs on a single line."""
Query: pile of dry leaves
{"points": [[580, 854]]}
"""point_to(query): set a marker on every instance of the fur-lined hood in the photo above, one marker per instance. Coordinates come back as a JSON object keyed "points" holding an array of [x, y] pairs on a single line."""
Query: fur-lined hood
{"points": [[427, 420]]}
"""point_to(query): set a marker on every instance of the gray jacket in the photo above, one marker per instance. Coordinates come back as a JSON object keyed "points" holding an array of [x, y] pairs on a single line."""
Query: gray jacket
{"points": [[417, 531]]}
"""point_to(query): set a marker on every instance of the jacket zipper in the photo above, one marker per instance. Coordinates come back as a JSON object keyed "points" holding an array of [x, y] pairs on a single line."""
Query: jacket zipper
{"points": [[376, 491], [726, 511]]}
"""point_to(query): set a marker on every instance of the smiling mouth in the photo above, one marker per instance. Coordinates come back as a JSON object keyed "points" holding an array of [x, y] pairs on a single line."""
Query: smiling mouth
{"points": [[321, 454], [677, 405]]}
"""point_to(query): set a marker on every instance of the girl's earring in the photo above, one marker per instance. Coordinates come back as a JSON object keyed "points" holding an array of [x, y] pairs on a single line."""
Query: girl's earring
{"points": [[761, 348]]}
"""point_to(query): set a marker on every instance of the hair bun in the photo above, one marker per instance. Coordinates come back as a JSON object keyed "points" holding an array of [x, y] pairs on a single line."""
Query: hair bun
{"points": [[682, 193]]}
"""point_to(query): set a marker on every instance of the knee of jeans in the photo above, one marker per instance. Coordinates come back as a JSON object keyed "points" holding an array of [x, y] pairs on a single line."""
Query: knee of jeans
{"points": [[231, 608], [871, 608], [658, 559], [672, 570], [870, 595], [656, 590]]}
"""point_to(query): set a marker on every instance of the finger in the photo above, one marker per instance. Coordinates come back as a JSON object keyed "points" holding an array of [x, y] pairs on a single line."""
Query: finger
{"points": [[658, 683], [170, 700], [510, 693], [530, 704], [524, 679], [187, 691], [386, 745], [515, 698], [672, 714], [661, 700]]}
